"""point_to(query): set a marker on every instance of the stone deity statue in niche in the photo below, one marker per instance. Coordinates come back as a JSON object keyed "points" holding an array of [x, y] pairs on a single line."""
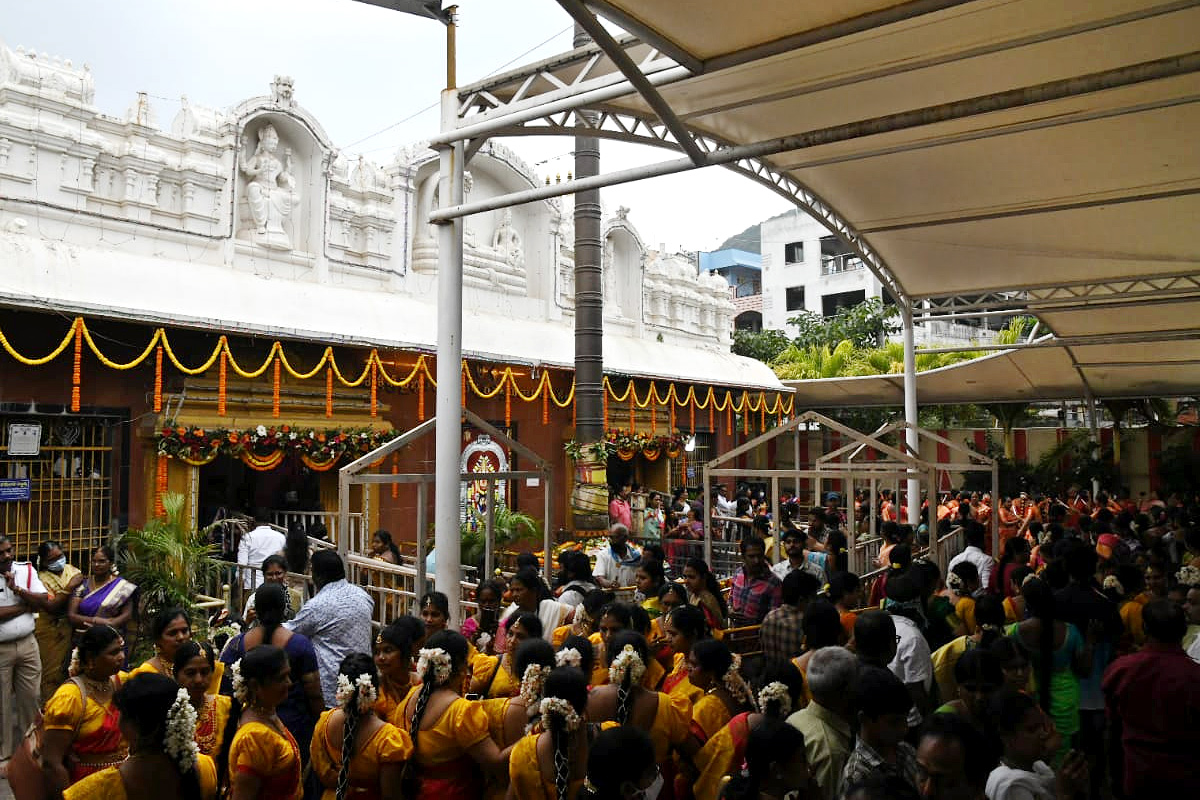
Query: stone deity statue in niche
{"points": [[507, 242], [270, 191]]}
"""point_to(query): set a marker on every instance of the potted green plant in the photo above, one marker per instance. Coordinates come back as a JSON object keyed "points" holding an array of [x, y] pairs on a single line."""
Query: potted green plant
{"points": [[508, 528], [171, 563]]}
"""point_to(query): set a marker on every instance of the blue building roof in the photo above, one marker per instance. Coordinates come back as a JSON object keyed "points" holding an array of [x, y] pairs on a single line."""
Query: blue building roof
{"points": [[719, 259]]}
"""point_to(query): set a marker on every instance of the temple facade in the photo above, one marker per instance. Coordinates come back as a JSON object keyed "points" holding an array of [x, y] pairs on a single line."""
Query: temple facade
{"points": [[231, 270]]}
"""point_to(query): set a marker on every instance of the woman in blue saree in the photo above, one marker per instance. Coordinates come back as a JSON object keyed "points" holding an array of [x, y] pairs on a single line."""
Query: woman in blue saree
{"points": [[105, 598]]}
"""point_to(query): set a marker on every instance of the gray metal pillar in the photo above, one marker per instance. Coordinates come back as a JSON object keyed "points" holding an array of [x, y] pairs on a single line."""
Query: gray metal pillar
{"points": [[910, 411], [775, 518], [448, 436], [589, 290]]}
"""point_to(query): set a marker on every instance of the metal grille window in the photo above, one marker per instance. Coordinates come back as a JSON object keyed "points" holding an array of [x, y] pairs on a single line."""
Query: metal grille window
{"points": [[70, 486], [696, 460]]}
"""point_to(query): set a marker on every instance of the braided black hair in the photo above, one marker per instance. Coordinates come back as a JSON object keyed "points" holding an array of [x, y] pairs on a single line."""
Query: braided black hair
{"points": [[145, 702], [565, 683], [352, 666], [455, 645], [583, 646], [616, 645], [1039, 603]]}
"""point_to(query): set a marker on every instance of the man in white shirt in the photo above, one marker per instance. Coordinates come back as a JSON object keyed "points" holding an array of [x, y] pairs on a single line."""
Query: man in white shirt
{"points": [[617, 564], [799, 557], [21, 594], [975, 535], [912, 663], [255, 546]]}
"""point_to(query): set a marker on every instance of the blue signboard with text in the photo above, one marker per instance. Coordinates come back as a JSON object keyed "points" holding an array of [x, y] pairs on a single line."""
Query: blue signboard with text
{"points": [[14, 489]]}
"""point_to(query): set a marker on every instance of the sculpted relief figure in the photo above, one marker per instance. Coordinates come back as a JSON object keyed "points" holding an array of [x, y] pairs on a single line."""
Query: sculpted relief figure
{"points": [[507, 242], [609, 266], [270, 190]]}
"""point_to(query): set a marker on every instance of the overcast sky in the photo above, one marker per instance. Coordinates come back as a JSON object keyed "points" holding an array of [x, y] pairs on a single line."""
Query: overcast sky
{"points": [[370, 76]]}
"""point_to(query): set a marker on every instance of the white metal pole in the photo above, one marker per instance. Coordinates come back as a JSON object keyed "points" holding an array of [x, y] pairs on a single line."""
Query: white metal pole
{"points": [[1093, 434], [489, 537], [910, 411], [448, 437], [708, 516], [547, 537], [420, 584]]}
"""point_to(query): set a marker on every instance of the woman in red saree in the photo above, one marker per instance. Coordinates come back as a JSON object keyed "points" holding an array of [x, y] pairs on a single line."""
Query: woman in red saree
{"points": [[81, 722], [684, 626], [780, 689]]}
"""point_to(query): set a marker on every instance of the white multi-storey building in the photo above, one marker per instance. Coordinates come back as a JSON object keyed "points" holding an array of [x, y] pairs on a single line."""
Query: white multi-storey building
{"points": [[806, 268]]}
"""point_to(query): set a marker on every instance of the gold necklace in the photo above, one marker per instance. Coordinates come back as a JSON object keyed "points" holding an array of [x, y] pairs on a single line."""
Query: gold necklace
{"points": [[206, 726], [96, 686]]}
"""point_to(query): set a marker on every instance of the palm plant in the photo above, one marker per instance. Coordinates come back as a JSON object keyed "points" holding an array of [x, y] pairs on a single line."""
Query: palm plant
{"points": [[169, 561], [508, 528]]}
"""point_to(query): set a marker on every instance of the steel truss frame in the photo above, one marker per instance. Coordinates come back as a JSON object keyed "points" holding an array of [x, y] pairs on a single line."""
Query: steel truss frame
{"points": [[1167, 287]]}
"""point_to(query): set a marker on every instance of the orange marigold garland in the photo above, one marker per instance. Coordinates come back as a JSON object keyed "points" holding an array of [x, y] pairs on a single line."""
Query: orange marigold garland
{"points": [[374, 393], [692, 414], [421, 396], [160, 484], [632, 396], [395, 471], [546, 402], [75, 373], [745, 414], [671, 405], [275, 391], [221, 383], [158, 357], [762, 412], [728, 415], [712, 402], [329, 391], [508, 401], [653, 412]]}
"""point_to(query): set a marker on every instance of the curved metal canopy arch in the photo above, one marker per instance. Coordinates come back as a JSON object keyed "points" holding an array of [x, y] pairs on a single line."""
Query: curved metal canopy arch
{"points": [[606, 122]]}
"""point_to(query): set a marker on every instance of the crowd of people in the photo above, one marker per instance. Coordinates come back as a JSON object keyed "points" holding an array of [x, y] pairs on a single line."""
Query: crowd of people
{"points": [[1063, 666]]}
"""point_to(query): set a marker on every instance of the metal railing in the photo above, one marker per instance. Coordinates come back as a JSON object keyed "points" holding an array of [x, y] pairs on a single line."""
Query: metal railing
{"points": [[357, 543], [846, 262]]}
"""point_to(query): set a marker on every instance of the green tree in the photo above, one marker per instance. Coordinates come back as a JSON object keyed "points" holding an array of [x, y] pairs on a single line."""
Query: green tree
{"points": [[763, 345], [867, 324], [1008, 415]]}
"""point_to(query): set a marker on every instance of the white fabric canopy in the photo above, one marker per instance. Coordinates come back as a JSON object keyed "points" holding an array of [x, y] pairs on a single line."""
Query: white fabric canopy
{"points": [[981, 170]]}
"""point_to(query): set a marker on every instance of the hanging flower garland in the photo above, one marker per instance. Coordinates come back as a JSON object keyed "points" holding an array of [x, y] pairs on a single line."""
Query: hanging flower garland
{"points": [[263, 447], [627, 444]]}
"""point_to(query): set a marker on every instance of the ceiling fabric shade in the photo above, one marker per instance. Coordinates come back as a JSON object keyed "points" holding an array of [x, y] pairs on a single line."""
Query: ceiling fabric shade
{"points": [[1031, 155]]}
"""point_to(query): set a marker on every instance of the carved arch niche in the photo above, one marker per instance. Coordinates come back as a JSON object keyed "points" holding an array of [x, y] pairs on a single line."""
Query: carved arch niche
{"points": [[508, 251], [281, 186], [624, 257]]}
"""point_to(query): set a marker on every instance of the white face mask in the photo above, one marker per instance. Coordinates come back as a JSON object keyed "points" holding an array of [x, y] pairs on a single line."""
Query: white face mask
{"points": [[58, 565], [652, 791]]}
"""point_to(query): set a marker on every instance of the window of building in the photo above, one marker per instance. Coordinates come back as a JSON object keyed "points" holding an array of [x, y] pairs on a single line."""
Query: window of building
{"points": [[833, 303], [795, 298], [793, 253]]}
